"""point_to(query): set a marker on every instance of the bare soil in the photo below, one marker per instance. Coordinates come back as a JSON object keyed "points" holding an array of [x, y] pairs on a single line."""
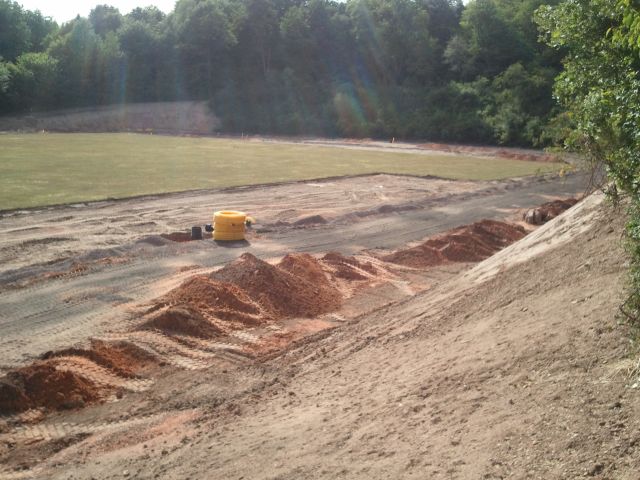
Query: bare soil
{"points": [[337, 364], [514, 368], [470, 243]]}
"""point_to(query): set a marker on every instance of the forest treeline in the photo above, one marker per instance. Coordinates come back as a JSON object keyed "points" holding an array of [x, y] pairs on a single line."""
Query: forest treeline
{"points": [[429, 69]]}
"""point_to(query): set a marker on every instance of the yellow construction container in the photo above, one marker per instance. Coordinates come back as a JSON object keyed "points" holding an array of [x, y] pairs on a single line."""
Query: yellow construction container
{"points": [[229, 225]]}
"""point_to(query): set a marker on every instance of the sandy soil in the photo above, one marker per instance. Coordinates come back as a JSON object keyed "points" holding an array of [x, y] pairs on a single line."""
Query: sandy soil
{"points": [[28, 237], [515, 368], [95, 275]]}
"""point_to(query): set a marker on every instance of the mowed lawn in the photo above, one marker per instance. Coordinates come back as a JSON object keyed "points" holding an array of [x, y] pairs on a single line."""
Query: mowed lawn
{"points": [[49, 169]]}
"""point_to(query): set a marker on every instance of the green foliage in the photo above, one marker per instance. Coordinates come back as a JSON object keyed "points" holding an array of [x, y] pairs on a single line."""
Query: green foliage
{"points": [[15, 37], [32, 77], [601, 90], [433, 69], [105, 19]]}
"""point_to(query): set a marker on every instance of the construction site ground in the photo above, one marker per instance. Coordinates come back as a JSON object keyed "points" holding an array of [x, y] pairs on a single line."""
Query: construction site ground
{"points": [[513, 368]]}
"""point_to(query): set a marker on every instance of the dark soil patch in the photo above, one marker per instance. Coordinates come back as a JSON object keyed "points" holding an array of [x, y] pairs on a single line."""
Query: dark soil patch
{"points": [[312, 220], [177, 236]]}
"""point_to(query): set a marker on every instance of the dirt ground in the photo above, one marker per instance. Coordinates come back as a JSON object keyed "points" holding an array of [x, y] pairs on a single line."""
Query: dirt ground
{"points": [[147, 360], [514, 368], [73, 272], [28, 237]]}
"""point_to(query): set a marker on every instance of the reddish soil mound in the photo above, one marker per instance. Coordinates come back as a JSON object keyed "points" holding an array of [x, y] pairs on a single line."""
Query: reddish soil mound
{"points": [[465, 248], [305, 266], [555, 208], [206, 292], [123, 359], [222, 300], [471, 243], [422, 256], [12, 398], [548, 211], [41, 385], [280, 292], [183, 320]]}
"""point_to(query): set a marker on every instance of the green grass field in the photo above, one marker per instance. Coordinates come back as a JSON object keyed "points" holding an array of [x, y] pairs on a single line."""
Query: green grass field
{"points": [[48, 169]]}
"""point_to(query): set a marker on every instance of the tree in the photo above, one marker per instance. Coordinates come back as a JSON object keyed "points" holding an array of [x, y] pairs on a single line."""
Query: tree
{"points": [[15, 37], [150, 15], [600, 87], [5, 82], [205, 30], [41, 30], [487, 44], [105, 19], [32, 77], [77, 50]]}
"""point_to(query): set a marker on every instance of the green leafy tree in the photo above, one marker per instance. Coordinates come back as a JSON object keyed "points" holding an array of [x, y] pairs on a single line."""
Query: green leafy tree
{"points": [[5, 82], [41, 30], [77, 50], [487, 44], [150, 15], [205, 31], [520, 105], [105, 19], [15, 37], [33, 76], [600, 87]]}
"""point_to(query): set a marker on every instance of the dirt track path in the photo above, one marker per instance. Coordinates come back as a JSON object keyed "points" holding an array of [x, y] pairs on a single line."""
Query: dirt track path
{"points": [[60, 312]]}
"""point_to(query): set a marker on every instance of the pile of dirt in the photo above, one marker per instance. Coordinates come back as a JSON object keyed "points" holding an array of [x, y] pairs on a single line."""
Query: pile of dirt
{"points": [[41, 385], [470, 243], [210, 297], [122, 358], [278, 291], [183, 320], [305, 266], [548, 211], [349, 268], [206, 292], [422, 256]]}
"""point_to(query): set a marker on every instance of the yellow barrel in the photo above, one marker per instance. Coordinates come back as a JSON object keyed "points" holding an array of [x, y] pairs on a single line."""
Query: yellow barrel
{"points": [[229, 225]]}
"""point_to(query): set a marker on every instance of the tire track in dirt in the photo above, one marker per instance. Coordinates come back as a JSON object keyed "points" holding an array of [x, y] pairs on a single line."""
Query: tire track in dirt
{"points": [[100, 375], [54, 430], [50, 431], [168, 350]]}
